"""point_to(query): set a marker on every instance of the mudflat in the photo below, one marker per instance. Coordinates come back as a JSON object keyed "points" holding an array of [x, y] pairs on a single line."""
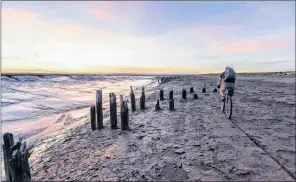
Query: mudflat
{"points": [[194, 142]]}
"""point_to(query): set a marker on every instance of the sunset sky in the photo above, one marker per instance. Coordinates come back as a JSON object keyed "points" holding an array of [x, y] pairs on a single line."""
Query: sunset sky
{"points": [[147, 37]]}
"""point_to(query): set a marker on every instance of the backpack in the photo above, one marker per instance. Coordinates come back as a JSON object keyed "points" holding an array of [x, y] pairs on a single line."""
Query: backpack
{"points": [[229, 73]]}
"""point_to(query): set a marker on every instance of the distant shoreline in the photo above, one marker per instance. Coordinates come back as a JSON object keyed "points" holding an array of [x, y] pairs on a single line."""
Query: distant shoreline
{"points": [[288, 73], [85, 74]]}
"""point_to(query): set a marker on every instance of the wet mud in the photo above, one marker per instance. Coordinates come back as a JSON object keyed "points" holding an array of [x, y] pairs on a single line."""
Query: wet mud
{"points": [[196, 142]]}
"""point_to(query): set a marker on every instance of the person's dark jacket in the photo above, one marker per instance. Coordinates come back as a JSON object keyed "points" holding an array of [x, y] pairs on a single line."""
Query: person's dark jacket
{"points": [[229, 80]]}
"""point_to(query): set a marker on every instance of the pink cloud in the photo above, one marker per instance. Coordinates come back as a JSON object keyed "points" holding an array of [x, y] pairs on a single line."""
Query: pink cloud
{"points": [[20, 19], [18, 16], [100, 14], [259, 43], [252, 46], [113, 10]]}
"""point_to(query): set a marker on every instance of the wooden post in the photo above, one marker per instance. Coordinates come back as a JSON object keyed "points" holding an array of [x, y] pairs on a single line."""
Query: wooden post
{"points": [[16, 159], [157, 107], [93, 117], [171, 105], [124, 115], [195, 96], [171, 95], [99, 109], [121, 110], [113, 111], [184, 93], [133, 100], [121, 105], [204, 89], [19, 164], [142, 100], [8, 143], [161, 95], [191, 90]]}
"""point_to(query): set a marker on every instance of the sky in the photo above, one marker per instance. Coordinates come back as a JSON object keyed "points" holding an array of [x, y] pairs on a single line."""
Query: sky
{"points": [[147, 36]]}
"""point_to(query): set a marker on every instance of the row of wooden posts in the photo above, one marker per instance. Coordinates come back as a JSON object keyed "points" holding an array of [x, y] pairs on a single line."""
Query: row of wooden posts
{"points": [[184, 96], [96, 111]]}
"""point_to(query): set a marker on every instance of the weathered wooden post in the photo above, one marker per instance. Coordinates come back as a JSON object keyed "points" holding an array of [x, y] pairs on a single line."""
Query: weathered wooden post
{"points": [[7, 153], [20, 164], [191, 90], [204, 89], [113, 111], [215, 90], [121, 104], [93, 117], [133, 100], [157, 106], [195, 96], [161, 95], [171, 95], [99, 109], [124, 114], [142, 100], [15, 159], [171, 105], [184, 93]]}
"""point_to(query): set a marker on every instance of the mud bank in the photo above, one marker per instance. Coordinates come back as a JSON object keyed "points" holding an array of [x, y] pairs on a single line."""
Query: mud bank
{"points": [[195, 142]]}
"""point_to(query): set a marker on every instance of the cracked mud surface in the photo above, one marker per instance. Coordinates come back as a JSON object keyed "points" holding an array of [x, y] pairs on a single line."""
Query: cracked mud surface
{"points": [[194, 142]]}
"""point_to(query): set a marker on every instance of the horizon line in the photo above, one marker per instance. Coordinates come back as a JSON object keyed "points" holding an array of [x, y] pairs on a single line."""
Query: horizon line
{"points": [[135, 74]]}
